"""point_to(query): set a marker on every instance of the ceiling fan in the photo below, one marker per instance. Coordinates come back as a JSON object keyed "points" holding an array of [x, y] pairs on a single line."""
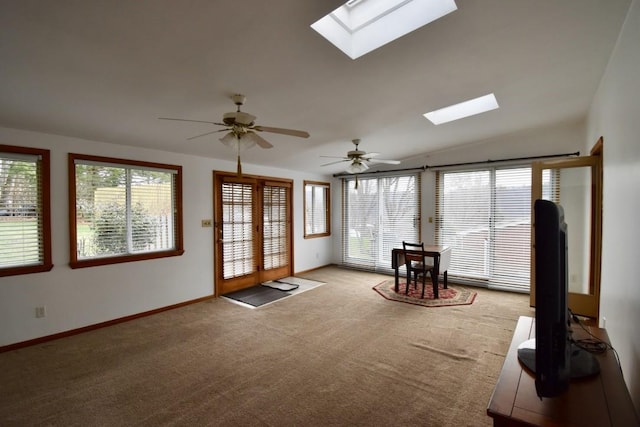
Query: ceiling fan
{"points": [[358, 159], [242, 130]]}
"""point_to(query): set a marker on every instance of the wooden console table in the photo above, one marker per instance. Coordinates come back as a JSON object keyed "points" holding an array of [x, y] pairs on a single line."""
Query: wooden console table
{"points": [[599, 401]]}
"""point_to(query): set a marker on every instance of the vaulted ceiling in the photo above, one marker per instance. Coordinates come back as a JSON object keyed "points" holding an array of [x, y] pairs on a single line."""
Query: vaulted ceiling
{"points": [[105, 70]]}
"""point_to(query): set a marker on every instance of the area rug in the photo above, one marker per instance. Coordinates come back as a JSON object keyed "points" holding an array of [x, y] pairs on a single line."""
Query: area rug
{"points": [[453, 295]]}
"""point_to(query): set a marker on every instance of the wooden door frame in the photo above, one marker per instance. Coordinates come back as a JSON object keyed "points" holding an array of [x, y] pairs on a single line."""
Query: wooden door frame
{"points": [[583, 304]]}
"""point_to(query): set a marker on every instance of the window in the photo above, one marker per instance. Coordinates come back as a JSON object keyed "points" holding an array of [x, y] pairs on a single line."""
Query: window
{"points": [[378, 214], [123, 210], [485, 216], [317, 213], [25, 219]]}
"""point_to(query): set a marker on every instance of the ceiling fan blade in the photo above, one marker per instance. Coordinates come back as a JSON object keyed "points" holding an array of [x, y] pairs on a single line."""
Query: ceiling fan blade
{"points": [[389, 162], [205, 134], [335, 157], [291, 132], [189, 120], [257, 139], [336, 162]]}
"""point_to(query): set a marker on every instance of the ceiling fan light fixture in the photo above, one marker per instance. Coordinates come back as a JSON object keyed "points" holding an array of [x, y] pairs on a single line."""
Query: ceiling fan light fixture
{"points": [[357, 167], [238, 142]]}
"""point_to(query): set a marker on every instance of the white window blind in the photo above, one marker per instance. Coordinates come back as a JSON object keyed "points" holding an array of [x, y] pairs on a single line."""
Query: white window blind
{"points": [[316, 209], [377, 216], [485, 216], [21, 211], [123, 209], [275, 205], [237, 230]]}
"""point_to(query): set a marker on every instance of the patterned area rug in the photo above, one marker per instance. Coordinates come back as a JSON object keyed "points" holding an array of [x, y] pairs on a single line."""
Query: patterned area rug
{"points": [[453, 295]]}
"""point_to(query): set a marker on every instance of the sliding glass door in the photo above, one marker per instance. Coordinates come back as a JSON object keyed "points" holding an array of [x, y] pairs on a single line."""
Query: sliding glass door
{"points": [[378, 214], [484, 215]]}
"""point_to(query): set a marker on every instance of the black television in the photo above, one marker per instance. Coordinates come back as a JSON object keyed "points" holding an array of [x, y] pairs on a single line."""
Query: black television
{"points": [[552, 356]]}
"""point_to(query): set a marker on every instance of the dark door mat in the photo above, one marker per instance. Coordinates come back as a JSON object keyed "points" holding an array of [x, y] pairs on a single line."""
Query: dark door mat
{"points": [[257, 295]]}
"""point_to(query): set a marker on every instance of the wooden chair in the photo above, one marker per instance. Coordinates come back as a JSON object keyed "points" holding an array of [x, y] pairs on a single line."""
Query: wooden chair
{"points": [[416, 263]]}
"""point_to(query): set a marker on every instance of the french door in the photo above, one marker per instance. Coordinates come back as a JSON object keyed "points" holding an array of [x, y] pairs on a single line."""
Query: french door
{"points": [[253, 238]]}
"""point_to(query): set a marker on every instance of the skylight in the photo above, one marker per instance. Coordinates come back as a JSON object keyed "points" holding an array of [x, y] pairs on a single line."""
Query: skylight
{"points": [[463, 109], [360, 26]]}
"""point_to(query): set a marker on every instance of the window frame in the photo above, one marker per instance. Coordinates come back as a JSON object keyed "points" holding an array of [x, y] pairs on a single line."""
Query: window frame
{"points": [[107, 260], [44, 190], [326, 186]]}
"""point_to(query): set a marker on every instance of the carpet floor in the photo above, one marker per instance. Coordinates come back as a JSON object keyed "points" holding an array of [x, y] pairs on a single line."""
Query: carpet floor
{"points": [[337, 355]]}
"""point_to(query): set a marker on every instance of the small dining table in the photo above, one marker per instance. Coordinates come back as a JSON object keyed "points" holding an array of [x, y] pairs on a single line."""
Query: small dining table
{"points": [[437, 252]]}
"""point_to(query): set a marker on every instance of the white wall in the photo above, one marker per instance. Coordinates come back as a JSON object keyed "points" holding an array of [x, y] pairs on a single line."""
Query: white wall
{"points": [[86, 296], [615, 115]]}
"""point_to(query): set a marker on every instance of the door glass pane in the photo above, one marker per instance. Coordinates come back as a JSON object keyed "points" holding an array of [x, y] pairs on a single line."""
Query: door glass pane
{"points": [[574, 195], [237, 230], [512, 227], [465, 214], [275, 227], [361, 222]]}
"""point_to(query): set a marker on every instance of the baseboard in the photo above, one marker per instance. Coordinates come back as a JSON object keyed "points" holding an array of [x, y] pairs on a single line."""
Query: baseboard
{"points": [[71, 332], [313, 269]]}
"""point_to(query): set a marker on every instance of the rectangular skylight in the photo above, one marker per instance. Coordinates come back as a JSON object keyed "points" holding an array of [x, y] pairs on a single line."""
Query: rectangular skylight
{"points": [[463, 109], [360, 26]]}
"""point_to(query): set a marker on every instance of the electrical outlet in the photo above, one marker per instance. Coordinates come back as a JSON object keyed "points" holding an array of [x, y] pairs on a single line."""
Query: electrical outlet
{"points": [[207, 223], [41, 312]]}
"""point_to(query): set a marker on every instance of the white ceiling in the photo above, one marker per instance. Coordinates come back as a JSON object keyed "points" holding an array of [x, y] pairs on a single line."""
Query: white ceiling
{"points": [[106, 70]]}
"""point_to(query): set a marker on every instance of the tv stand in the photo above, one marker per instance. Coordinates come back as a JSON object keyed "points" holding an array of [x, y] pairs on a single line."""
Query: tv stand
{"points": [[601, 400], [582, 363]]}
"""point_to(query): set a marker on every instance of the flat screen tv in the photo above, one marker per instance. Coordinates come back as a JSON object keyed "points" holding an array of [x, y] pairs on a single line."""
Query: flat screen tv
{"points": [[552, 356]]}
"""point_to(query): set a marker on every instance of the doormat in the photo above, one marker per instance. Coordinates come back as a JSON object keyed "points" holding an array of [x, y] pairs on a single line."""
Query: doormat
{"points": [[268, 292], [453, 295]]}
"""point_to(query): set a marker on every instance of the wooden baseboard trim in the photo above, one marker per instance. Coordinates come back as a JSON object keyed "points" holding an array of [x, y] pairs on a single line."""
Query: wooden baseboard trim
{"points": [[313, 269], [71, 332]]}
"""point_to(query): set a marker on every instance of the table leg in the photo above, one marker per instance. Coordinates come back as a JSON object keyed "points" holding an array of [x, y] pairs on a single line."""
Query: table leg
{"points": [[434, 276], [396, 277]]}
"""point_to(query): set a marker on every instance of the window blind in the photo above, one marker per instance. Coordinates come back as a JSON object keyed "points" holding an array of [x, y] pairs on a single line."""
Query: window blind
{"points": [[316, 205], [123, 209], [274, 206], [237, 229], [21, 211], [377, 216], [485, 216]]}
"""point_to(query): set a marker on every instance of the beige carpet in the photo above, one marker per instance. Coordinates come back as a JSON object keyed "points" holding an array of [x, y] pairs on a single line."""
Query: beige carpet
{"points": [[335, 355]]}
